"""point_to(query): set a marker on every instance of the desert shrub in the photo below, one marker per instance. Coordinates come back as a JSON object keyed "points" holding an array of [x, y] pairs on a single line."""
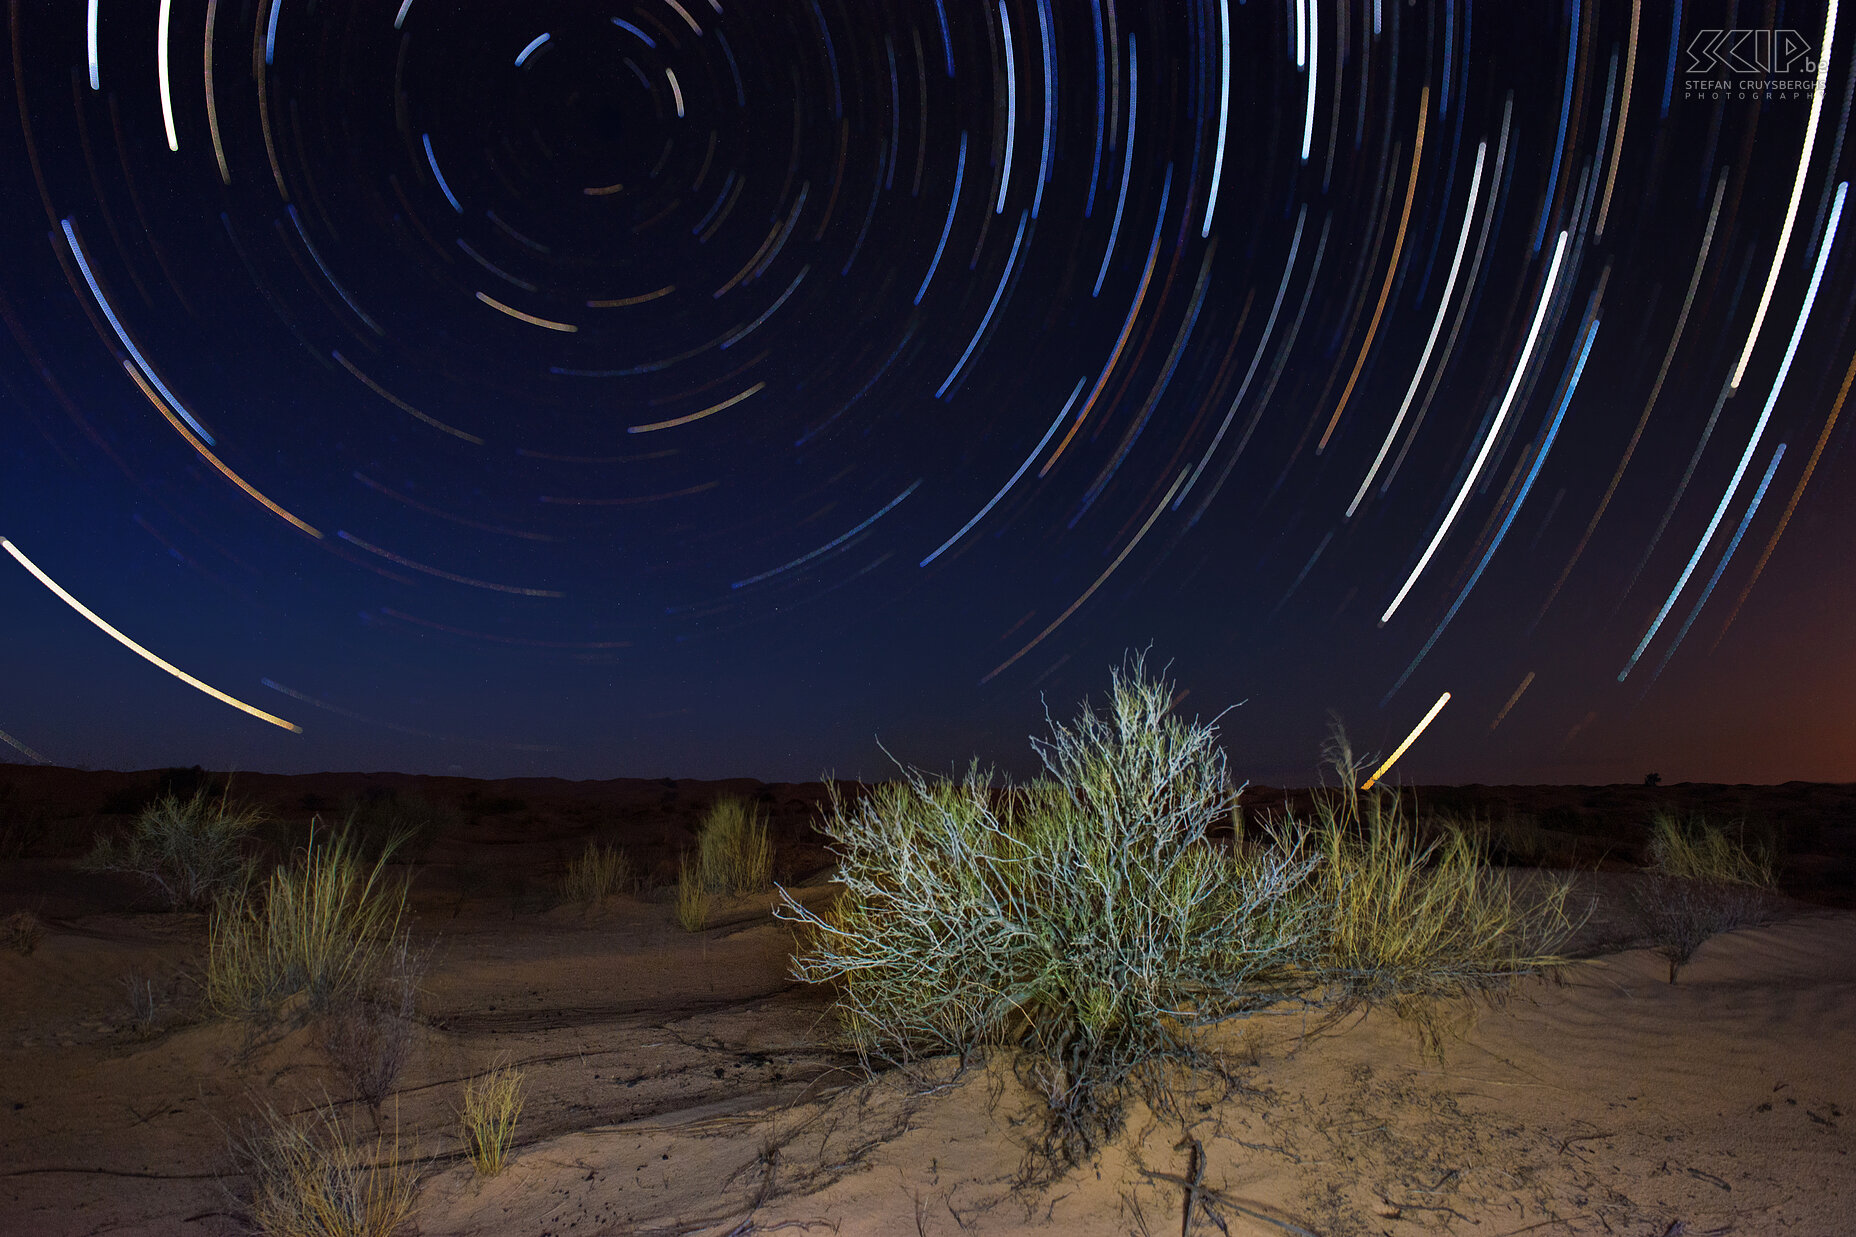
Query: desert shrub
{"points": [[692, 905], [189, 851], [369, 1037], [597, 874], [23, 931], [312, 1176], [1701, 882], [326, 926], [1082, 917], [734, 852], [1088, 919], [492, 1105], [383, 821], [22, 831]]}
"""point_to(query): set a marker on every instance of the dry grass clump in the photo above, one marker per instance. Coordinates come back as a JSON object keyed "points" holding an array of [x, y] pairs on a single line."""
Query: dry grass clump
{"points": [[23, 932], [1418, 919], [144, 1003], [692, 897], [325, 926], [189, 850], [1088, 919], [492, 1105], [310, 1176], [1696, 850], [734, 857], [734, 851], [597, 874], [1701, 882]]}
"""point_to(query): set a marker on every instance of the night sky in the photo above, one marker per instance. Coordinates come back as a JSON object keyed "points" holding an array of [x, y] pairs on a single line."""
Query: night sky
{"points": [[703, 388]]}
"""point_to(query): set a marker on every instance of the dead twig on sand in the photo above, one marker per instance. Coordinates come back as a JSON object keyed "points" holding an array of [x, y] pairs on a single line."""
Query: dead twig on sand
{"points": [[1204, 1192]]}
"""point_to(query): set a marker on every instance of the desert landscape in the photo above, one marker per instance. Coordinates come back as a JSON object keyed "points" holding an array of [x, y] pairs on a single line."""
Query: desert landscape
{"points": [[682, 1081]]}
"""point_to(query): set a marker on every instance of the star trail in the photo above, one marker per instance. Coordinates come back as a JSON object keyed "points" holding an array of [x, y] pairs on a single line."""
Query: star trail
{"points": [[698, 388]]}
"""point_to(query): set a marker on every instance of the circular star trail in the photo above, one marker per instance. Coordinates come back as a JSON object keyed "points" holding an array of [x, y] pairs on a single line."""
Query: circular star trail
{"points": [[692, 387]]}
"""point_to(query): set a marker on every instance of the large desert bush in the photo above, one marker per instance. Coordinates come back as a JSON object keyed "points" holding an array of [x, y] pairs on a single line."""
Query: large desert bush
{"points": [[311, 1175], [189, 851], [326, 926], [1083, 917], [1701, 881], [1089, 919]]}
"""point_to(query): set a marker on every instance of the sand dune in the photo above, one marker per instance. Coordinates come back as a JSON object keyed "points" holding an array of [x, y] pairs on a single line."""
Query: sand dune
{"points": [[682, 1083]]}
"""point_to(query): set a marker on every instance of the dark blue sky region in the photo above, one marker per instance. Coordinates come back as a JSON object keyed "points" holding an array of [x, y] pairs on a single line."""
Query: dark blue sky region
{"points": [[698, 388]]}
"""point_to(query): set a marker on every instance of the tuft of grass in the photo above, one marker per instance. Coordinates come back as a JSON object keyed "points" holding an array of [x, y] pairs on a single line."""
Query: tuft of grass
{"points": [[325, 926], [144, 1004], [734, 852], [1418, 919], [189, 850], [311, 1176], [692, 897], [597, 874], [1695, 850], [23, 931], [492, 1105], [1701, 882]]}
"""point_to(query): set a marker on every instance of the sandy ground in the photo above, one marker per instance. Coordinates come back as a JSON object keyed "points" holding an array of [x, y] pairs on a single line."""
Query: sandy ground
{"points": [[681, 1083]]}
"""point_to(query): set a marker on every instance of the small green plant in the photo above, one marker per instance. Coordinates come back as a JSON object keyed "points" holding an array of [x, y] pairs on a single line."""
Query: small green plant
{"points": [[597, 874], [734, 852], [492, 1105], [1701, 882], [311, 1176], [189, 850], [325, 926], [24, 930], [692, 897]]}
